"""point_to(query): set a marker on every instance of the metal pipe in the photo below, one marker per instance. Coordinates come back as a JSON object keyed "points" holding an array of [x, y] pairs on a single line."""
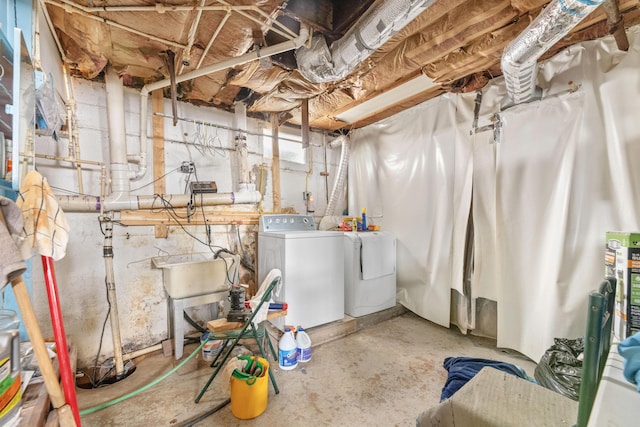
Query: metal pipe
{"points": [[519, 60], [107, 253]]}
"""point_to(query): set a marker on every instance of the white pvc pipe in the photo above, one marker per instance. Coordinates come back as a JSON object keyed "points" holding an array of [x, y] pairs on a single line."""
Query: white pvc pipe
{"points": [[232, 62], [120, 202], [117, 135]]}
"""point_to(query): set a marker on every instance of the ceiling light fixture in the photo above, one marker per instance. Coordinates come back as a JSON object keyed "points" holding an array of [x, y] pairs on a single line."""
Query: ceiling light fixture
{"points": [[383, 101]]}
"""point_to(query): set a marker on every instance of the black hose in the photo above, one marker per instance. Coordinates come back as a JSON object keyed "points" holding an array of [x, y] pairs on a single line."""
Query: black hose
{"points": [[198, 418], [193, 323]]}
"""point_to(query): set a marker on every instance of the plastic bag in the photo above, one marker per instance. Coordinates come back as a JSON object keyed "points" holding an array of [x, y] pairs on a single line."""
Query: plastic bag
{"points": [[560, 368]]}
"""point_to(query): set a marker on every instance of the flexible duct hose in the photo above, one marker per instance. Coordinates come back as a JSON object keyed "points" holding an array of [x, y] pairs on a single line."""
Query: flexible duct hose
{"points": [[338, 184]]}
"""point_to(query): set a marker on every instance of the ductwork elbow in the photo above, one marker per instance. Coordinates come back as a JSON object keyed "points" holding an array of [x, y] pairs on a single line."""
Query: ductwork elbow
{"points": [[320, 63], [520, 57]]}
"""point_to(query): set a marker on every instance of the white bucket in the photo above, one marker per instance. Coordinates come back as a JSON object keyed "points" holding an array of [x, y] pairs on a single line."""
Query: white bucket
{"points": [[211, 349]]}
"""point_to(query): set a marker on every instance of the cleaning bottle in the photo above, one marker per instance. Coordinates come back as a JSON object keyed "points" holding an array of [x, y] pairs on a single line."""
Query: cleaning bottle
{"points": [[287, 351], [304, 345], [364, 219]]}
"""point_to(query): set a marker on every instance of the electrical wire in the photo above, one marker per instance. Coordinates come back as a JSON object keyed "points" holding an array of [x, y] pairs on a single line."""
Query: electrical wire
{"points": [[75, 193], [172, 213], [155, 180], [92, 377]]}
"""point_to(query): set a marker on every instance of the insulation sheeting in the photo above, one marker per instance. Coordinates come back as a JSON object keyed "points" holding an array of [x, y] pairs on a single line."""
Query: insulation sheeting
{"points": [[543, 197]]}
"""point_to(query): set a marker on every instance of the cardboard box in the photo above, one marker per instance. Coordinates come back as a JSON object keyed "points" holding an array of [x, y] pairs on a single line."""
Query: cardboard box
{"points": [[622, 261]]}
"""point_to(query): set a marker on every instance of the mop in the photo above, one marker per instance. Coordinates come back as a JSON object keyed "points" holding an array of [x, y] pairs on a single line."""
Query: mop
{"points": [[46, 232], [12, 266]]}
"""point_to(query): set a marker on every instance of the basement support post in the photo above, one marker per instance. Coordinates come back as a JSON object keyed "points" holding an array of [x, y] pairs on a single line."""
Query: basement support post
{"points": [[275, 161], [304, 111], [157, 103]]}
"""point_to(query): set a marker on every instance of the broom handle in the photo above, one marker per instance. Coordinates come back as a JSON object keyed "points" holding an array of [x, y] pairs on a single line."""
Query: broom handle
{"points": [[39, 349], [68, 383]]}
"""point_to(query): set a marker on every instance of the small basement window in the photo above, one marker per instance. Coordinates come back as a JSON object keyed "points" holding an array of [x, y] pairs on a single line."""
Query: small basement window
{"points": [[290, 147]]}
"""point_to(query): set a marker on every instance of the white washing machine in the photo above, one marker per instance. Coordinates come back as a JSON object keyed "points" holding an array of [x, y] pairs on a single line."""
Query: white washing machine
{"points": [[312, 268], [369, 273]]}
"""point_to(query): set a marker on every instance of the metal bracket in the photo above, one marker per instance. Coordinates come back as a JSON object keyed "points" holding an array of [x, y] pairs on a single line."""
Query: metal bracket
{"points": [[496, 121]]}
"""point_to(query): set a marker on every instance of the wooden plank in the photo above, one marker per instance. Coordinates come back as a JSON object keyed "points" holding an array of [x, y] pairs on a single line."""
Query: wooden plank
{"points": [[219, 325], [179, 217], [305, 122], [275, 163], [161, 230], [35, 405]]}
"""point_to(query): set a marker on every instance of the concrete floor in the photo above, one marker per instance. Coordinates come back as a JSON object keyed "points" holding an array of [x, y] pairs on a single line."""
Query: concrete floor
{"points": [[382, 375]]}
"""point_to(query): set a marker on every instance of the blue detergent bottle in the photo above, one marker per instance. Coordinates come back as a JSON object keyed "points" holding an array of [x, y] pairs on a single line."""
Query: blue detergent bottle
{"points": [[364, 219]]}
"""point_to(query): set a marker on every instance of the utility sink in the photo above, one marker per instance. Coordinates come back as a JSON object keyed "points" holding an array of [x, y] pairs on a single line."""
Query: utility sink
{"points": [[187, 276]]}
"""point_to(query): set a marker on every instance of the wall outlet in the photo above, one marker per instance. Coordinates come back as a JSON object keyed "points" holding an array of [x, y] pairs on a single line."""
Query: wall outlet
{"points": [[187, 167]]}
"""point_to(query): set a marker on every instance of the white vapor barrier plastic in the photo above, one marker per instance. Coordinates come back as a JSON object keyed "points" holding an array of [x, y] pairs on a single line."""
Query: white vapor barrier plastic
{"points": [[563, 174], [413, 174]]}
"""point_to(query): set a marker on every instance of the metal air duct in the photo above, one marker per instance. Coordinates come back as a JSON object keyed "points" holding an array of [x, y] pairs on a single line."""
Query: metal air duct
{"points": [[321, 64], [519, 60]]}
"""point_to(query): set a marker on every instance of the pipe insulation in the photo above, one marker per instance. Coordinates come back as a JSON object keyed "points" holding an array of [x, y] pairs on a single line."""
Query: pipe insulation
{"points": [[322, 64], [338, 184], [519, 60]]}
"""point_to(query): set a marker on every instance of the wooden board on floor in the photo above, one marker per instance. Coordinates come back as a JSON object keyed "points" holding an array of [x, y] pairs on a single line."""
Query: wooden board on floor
{"points": [[35, 405], [218, 325]]}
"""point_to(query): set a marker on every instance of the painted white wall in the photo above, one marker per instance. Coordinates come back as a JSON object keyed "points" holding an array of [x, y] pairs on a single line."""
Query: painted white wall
{"points": [[142, 304]]}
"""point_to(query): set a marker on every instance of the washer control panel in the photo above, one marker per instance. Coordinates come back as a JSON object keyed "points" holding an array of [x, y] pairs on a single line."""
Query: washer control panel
{"points": [[287, 222]]}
